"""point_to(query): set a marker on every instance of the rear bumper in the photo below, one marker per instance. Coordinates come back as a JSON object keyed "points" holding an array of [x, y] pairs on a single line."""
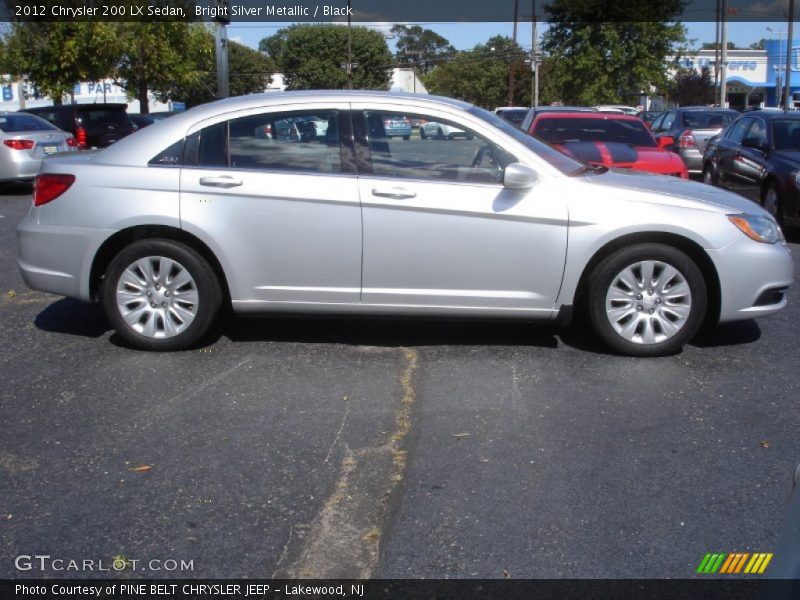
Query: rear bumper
{"points": [[57, 260], [18, 167], [692, 158], [753, 278]]}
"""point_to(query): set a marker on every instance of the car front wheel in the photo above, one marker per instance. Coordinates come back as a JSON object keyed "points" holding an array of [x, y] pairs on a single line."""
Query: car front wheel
{"points": [[771, 202], [161, 295], [647, 299]]}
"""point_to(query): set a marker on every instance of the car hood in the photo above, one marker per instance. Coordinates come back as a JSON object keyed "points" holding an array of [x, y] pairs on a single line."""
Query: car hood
{"points": [[662, 189], [616, 154]]}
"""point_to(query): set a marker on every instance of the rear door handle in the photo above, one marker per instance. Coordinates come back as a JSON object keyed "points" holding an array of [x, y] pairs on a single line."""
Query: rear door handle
{"points": [[223, 181], [396, 193]]}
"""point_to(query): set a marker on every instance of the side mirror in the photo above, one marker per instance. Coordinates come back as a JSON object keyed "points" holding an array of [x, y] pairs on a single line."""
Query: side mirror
{"points": [[517, 176], [665, 141], [754, 143]]}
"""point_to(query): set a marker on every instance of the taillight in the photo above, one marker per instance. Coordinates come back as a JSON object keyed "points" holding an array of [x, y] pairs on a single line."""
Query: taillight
{"points": [[19, 144], [49, 186], [71, 142], [80, 134], [687, 140]]}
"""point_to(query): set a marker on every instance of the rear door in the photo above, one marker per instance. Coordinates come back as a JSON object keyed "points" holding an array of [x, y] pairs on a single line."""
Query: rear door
{"points": [[749, 164], [441, 232], [281, 211]]}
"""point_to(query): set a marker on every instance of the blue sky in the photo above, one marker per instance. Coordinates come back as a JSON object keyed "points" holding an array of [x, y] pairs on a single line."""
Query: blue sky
{"points": [[465, 35]]}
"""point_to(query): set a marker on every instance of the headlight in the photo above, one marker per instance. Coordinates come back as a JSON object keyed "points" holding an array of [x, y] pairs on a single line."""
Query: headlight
{"points": [[796, 178], [758, 228]]}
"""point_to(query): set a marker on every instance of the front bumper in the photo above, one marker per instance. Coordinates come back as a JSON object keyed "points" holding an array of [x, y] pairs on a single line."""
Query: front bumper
{"points": [[57, 259], [752, 276]]}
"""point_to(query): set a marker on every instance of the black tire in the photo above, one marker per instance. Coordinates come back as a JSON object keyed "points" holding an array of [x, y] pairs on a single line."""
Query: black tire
{"points": [[776, 210], [209, 293], [709, 177], [604, 275], [406, 137], [440, 134], [422, 133], [470, 137]]}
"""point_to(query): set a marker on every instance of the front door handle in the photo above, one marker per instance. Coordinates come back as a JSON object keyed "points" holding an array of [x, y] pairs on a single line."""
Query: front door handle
{"points": [[396, 193], [223, 181]]}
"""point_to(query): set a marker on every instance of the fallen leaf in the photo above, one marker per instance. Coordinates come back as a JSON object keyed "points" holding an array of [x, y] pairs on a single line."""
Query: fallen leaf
{"points": [[764, 444], [141, 469], [506, 574], [460, 435], [12, 294]]}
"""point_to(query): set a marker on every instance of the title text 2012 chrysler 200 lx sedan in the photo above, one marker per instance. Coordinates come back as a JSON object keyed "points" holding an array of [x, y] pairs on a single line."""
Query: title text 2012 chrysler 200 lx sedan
{"points": [[167, 224]]}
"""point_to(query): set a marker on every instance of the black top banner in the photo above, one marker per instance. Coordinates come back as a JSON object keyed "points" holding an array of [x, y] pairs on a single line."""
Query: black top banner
{"points": [[394, 11]]}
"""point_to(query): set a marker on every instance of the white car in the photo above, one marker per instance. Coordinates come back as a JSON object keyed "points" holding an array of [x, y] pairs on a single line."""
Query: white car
{"points": [[441, 131]]}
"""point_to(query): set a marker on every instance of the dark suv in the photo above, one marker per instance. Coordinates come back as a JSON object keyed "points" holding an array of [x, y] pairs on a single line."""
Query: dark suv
{"points": [[93, 125]]}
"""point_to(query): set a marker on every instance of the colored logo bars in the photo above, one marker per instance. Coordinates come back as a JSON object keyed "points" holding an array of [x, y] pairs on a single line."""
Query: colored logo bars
{"points": [[737, 562]]}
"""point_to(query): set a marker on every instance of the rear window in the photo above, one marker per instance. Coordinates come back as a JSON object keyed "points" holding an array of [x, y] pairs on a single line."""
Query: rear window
{"points": [[561, 131], [16, 123], [717, 119], [103, 116]]}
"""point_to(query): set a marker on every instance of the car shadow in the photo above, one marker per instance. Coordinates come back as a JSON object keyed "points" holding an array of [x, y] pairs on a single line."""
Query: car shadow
{"points": [[73, 317], [382, 331], [792, 234], [728, 334]]}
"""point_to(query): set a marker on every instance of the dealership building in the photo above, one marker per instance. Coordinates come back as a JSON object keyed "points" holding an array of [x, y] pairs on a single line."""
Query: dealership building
{"points": [[755, 77]]}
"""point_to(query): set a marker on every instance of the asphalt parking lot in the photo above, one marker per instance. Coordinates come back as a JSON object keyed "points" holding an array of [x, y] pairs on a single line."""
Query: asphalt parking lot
{"points": [[385, 448]]}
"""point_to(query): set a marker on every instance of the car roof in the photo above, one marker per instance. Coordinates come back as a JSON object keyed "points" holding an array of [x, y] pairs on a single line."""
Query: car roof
{"points": [[773, 114], [597, 116], [706, 108]]}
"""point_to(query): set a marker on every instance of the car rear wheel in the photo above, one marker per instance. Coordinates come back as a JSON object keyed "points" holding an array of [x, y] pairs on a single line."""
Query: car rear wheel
{"points": [[422, 133], [440, 134], [161, 295], [771, 202], [647, 299]]}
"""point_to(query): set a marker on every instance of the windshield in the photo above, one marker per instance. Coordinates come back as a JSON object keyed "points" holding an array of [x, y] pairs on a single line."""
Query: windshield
{"points": [[786, 134], [514, 115], [563, 131], [560, 161], [16, 123], [708, 119]]}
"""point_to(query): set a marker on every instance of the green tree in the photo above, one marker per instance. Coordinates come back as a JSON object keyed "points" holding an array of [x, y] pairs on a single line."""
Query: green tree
{"points": [[249, 70], [687, 87], [421, 48], [481, 75], [612, 61], [312, 57], [56, 56]]}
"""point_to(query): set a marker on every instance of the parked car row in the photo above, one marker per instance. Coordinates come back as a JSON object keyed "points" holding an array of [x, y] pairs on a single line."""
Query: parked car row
{"points": [[32, 134]]}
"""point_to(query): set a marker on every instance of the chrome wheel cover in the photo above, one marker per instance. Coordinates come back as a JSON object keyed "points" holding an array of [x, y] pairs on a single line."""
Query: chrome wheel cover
{"points": [[157, 297], [771, 202], [648, 302]]}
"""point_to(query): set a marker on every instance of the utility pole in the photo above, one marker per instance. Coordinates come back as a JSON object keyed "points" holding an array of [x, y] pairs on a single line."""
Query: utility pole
{"points": [[513, 64], [716, 55], [221, 20], [787, 86], [349, 50], [723, 83]]}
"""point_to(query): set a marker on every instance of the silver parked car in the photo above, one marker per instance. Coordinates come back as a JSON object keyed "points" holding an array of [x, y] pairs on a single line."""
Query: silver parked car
{"points": [[167, 225], [24, 141]]}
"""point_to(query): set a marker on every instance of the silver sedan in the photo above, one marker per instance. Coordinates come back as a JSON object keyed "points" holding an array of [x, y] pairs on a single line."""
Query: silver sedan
{"points": [[24, 141], [166, 226]]}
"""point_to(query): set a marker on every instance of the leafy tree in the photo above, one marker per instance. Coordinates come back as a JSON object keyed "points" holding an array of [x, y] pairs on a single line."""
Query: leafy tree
{"points": [[481, 75], [421, 48], [612, 61], [715, 45], [311, 57], [250, 71], [56, 56], [690, 88]]}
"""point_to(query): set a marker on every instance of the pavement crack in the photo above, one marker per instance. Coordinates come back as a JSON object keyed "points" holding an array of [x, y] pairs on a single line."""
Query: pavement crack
{"points": [[343, 541], [338, 433]]}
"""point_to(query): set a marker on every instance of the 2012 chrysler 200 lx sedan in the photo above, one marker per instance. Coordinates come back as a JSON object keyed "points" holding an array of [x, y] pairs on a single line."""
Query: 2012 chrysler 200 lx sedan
{"points": [[168, 224]]}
